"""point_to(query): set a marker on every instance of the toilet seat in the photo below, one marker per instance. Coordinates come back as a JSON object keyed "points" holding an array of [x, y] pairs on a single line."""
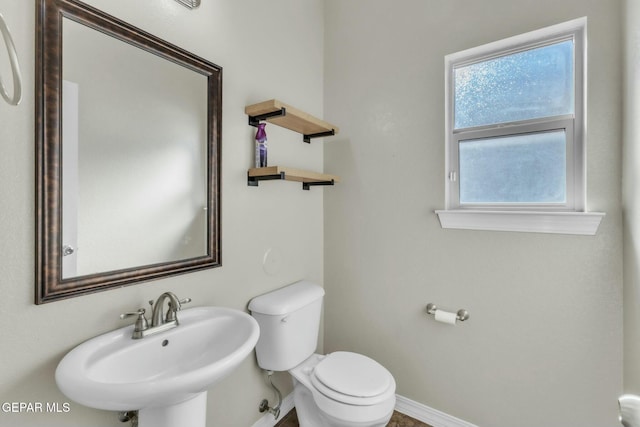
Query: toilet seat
{"points": [[341, 409], [352, 378]]}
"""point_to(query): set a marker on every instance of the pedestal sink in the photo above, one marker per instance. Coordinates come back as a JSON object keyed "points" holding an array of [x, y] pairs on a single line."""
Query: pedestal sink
{"points": [[164, 376]]}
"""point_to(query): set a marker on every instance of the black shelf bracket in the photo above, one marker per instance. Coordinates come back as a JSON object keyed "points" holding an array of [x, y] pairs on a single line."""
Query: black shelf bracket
{"points": [[254, 180], [308, 185], [307, 138], [255, 120]]}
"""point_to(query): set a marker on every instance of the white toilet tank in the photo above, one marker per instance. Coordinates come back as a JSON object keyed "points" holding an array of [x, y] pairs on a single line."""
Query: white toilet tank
{"points": [[289, 320]]}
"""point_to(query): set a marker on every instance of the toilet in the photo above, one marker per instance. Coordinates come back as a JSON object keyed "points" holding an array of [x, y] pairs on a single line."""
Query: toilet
{"points": [[629, 405], [341, 389]]}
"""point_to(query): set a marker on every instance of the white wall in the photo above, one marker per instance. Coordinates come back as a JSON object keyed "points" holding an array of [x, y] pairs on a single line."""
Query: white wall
{"points": [[543, 346], [631, 196], [267, 50]]}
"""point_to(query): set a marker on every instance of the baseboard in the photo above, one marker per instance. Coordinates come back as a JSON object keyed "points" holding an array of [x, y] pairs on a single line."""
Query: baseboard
{"points": [[406, 406], [428, 415], [268, 420]]}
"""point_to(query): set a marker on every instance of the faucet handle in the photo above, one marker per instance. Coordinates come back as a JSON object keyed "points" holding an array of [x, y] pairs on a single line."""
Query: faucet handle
{"points": [[180, 302], [171, 313], [140, 312], [141, 322]]}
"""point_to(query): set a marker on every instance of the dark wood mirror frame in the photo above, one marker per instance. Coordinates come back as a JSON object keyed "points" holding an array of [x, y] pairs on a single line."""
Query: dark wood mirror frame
{"points": [[50, 286]]}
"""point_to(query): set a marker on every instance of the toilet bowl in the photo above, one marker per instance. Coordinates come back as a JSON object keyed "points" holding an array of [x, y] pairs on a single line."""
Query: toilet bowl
{"points": [[341, 389], [629, 410]]}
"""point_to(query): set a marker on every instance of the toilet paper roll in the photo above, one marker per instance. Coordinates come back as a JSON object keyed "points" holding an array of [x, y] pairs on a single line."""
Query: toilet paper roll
{"points": [[446, 317]]}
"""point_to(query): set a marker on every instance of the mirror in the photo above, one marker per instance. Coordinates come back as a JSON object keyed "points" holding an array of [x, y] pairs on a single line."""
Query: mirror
{"points": [[128, 154]]}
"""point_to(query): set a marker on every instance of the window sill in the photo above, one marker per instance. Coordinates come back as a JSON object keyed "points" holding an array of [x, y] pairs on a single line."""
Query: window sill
{"points": [[583, 223]]}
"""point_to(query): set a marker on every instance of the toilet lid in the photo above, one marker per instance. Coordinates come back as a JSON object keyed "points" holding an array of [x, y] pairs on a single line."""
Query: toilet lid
{"points": [[352, 374]]}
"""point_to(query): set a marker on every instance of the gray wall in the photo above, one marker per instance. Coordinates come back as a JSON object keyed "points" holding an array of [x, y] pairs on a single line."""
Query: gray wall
{"points": [[631, 196], [543, 346], [258, 64]]}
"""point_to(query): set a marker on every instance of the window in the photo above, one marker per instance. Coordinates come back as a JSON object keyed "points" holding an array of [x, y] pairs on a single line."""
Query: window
{"points": [[515, 124]]}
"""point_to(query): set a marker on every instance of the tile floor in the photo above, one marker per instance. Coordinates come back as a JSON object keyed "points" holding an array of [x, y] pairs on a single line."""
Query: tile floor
{"points": [[397, 420]]}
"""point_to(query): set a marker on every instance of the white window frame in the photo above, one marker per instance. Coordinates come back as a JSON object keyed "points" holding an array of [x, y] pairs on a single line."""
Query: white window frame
{"points": [[569, 217]]}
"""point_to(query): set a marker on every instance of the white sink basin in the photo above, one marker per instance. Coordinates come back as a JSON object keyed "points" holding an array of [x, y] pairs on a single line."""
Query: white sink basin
{"points": [[115, 372]]}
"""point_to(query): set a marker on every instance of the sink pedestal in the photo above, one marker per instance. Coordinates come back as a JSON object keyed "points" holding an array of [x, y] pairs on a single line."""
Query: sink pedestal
{"points": [[191, 413]]}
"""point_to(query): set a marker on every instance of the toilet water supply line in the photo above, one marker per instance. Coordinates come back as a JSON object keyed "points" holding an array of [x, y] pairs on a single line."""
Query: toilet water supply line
{"points": [[129, 417], [264, 405]]}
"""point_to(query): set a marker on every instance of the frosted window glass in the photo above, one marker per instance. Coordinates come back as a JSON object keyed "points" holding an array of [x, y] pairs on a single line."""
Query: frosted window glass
{"points": [[529, 168], [525, 85]]}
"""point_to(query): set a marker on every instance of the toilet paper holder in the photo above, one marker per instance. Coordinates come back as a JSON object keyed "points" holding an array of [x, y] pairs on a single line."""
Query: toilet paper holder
{"points": [[461, 314]]}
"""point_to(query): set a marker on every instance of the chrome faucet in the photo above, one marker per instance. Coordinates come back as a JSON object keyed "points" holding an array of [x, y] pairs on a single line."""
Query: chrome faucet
{"points": [[158, 323]]}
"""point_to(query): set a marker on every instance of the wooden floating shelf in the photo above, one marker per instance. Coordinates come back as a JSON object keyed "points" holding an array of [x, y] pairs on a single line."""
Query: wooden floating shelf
{"points": [[307, 178], [281, 114], [286, 116]]}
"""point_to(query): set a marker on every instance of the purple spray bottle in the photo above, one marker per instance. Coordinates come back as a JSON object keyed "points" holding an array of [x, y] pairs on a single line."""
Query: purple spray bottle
{"points": [[261, 146]]}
